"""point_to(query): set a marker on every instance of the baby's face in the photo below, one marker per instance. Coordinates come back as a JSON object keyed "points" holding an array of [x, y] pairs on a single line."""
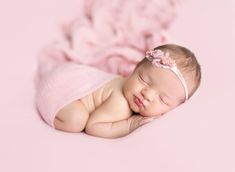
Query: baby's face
{"points": [[153, 91]]}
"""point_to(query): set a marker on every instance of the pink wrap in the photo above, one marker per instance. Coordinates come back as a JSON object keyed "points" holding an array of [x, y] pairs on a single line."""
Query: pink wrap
{"points": [[66, 83], [106, 38]]}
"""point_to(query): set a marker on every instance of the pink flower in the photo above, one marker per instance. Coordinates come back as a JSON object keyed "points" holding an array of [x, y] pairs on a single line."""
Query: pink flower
{"points": [[159, 58], [158, 54], [167, 61], [156, 62]]}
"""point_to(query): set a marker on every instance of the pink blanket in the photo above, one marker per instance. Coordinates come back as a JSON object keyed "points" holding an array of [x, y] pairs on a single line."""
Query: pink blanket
{"points": [[66, 83], [112, 37]]}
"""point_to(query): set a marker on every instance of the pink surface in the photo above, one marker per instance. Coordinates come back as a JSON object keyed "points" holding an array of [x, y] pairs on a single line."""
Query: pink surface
{"points": [[198, 136]]}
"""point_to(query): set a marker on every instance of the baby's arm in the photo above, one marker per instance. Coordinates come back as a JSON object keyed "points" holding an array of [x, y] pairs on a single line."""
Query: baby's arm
{"points": [[108, 123]]}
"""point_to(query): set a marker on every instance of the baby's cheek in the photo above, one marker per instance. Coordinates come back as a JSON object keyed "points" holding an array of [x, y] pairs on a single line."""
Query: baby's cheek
{"points": [[139, 86], [147, 112], [156, 110]]}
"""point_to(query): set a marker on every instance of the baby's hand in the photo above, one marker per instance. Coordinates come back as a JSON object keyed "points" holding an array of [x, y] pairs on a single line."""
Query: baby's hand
{"points": [[135, 121]]}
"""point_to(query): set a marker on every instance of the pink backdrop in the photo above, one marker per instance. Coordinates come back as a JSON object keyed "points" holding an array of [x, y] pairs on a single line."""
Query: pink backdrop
{"points": [[198, 136]]}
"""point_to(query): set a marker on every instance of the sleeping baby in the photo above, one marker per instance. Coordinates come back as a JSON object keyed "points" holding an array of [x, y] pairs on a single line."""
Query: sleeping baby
{"points": [[167, 76]]}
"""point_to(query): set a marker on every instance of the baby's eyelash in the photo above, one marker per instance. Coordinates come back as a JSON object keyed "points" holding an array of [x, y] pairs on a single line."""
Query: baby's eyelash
{"points": [[142, 79], [163, 101]]}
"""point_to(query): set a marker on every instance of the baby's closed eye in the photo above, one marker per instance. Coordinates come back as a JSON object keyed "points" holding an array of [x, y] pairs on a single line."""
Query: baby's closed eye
{"points": [[163, 100], [144, 80]]}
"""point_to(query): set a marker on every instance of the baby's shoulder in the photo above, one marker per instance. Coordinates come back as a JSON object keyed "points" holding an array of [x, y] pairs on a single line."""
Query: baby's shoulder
{"points": [[117, 101], [114, 87]]}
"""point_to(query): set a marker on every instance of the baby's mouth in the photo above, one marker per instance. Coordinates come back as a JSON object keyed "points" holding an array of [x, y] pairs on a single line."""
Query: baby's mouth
{"points": [[138, 102]]}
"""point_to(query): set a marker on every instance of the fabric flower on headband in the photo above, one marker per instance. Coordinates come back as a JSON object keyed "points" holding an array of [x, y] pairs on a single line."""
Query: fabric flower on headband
{"points": [[160, 59]]}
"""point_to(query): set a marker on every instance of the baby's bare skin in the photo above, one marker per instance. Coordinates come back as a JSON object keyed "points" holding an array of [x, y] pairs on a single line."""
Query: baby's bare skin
{"points": [[99, 96], [75, 116]]}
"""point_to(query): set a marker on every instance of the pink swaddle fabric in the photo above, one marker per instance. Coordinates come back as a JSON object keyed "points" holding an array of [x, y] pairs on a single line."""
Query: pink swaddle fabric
{"points": [[107, 39], [66, 83]]}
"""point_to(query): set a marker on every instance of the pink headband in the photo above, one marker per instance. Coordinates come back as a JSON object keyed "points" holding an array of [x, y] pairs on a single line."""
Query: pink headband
{"points": [[163, 60]]}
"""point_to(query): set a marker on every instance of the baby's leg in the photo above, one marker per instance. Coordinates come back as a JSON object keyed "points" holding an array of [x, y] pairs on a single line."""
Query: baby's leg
{"points": [[72, 118]]}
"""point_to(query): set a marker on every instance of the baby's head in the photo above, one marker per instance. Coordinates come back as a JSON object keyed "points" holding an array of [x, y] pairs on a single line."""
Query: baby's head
{"points": [[168, 76]]}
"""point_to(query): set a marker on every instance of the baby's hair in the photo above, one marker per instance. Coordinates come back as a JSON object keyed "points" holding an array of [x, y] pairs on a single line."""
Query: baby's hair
{"points": [[186, 62]]}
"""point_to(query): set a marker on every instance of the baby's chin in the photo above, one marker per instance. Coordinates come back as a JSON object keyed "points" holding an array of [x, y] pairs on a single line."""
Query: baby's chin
{"points": [[141, 111], [149, 115], [146, 115]]}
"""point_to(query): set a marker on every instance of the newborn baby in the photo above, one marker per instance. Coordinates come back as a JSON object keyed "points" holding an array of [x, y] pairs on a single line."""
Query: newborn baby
{"points": [[167, 77]]}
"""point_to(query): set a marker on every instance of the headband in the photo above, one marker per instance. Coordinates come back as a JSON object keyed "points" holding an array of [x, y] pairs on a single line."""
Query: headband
{"points": [[160, 59]]}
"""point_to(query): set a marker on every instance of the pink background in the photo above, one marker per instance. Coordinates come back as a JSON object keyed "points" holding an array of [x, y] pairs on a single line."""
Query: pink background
{"points": [[198, 136]]}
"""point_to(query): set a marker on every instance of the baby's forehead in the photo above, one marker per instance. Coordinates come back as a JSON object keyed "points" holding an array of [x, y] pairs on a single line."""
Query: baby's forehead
{"points": [[150, 70]]}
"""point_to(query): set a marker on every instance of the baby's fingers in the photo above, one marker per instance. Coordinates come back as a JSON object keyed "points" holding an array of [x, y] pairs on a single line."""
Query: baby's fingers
{"points": [[137, 120]]}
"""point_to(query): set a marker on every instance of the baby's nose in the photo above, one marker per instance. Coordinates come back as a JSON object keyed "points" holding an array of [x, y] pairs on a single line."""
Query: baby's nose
{"points": [[148, 94]]}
